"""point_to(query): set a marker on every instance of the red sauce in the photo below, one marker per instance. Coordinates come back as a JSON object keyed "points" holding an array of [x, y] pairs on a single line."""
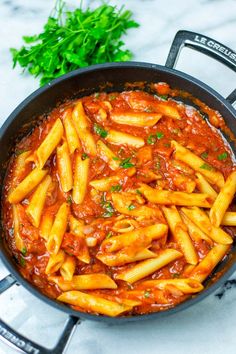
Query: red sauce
{"points": [[192, 131]]}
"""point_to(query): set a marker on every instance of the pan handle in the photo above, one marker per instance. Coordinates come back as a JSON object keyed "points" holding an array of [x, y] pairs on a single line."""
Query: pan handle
{"points": [[23, 344], [205, 45]]}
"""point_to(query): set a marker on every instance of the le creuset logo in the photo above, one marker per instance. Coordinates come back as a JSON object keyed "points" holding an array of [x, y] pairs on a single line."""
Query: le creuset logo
{"points": [[214, 45], [17, 341]]}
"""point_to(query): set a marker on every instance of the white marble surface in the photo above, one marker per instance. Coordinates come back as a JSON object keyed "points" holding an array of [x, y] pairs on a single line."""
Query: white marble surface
{"points": [[208, 327]]}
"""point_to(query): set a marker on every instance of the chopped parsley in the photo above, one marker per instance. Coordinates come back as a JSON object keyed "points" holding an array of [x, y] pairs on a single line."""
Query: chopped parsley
{"points": [[222, 156], [163, 97], [116, 188], [151, 140], [107, 206], [175, 275], [109, 235], [69, 200], [204, 155], [126, 163], [97, 94], [205, 166], [112, 97], [138, 192], [131, 207], [115, 158], [22, 261], [24, 251], [84, 156], [147, 294], [100, 131]]}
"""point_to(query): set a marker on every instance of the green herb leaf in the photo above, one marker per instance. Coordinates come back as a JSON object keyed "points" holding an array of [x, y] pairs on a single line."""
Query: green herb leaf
{"points": [[205, 166], [84, 156], [164, 97], [159, 135], [100, 131], [115, 158], [204, 155], [222, 156], [151, 140], [138, 192], [69, 200], [73, 39], [107, 206], [22, 261], [116, 188], [131, 207], [147, 294], [175, 275], [24, 251], [126, 163], [109, 235]]}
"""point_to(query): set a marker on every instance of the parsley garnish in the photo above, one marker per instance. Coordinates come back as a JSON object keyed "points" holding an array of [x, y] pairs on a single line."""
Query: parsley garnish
{"points": [[175, 275], [204, 155], [116, 188], [205, 166], [109, 235], [24, 251], [73, 39], [115, 158], [222, 156], [107, 206], [22, 261], [84, 156], [151, 140], [100, 131], [147, 294], [164, 97], [131, 207], [138, 192], [126, 163], [69, 200]]}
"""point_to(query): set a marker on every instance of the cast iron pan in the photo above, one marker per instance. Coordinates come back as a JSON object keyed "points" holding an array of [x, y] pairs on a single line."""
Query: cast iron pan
{"points": [[85, 82]]}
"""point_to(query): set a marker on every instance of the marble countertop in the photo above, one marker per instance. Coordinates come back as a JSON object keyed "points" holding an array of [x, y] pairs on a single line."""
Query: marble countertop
{"points": [[208, 327]]}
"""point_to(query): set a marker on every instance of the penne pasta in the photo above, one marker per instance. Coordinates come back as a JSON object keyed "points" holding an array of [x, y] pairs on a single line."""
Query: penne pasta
{"points": [[107, 155], [205, 187], [180, 234], [195, 233], [68, 268], [27, 185], [229, 219], [137, 119], [121, 257], [94, 303], [71, 133], [81, 171], [85, 282], [144, 234], [55, 262], [119, 138], [149, 266], [125, 225], [49, 144], [199, 218], [35, 208], [104, 184], [195, 162], [167, 110], [20, 245], [205, 267], [58, 229], [167, 197], [76, 226], [82, 127], [223, 200], [21, 162], [64, 167], [46, 225], [185, 285], [144, 212]]}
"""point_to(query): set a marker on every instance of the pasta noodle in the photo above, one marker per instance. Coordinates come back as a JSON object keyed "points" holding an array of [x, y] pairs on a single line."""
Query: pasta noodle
{"points": [[109, 205], [223, 200]]}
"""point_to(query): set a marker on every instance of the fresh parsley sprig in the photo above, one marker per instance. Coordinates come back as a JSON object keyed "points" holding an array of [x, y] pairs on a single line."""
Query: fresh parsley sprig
{"points": [[73, 39]]}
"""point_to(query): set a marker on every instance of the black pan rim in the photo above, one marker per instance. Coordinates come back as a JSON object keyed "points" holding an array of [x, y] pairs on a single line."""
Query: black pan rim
{"points": [[66, 309]]}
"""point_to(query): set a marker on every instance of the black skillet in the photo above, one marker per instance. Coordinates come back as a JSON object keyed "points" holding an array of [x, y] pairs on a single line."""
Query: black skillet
{"points": [[85, 82]]}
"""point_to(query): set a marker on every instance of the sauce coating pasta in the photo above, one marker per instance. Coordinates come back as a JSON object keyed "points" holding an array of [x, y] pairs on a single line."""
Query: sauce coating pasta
{"points": [[123, 181]]}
